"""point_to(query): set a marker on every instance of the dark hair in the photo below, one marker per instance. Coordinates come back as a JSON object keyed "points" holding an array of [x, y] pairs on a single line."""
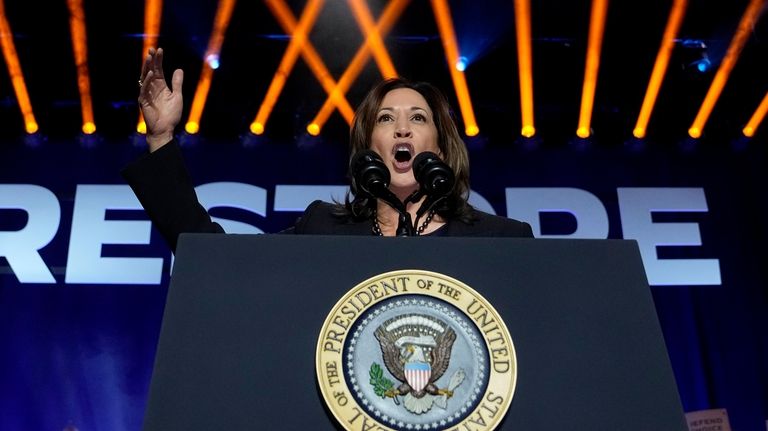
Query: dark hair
{"points": [[452, 147]]}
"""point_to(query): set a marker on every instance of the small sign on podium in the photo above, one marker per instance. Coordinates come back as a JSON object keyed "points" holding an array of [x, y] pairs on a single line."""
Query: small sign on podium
{"points": [[708, 420]]}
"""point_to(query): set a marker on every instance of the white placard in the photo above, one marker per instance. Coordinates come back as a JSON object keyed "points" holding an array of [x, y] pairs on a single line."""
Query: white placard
{"points": [[708, 420]]}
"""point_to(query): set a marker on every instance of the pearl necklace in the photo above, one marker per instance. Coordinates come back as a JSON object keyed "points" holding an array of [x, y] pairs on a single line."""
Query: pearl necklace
{"points": [[377, 229]]}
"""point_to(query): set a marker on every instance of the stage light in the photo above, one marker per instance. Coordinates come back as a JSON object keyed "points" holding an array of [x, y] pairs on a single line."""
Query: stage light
{"points": [[461, 63], [743, 32], [257, 128], [674, 22], [704, 64], [89, 128], [528, 131], [757, 118], [31, 127], [694, 132], [313, 129], [213, 61], [192, 127]]}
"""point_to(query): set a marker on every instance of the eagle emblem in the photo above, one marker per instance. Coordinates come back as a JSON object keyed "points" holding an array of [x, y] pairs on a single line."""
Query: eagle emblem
{"points": [[416, 350]]}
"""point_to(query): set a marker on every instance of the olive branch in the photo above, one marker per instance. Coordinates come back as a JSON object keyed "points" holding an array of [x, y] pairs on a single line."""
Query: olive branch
{"points": [[380, 383]]}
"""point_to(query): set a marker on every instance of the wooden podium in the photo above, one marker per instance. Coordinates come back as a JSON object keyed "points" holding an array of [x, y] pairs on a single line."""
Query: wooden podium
{"points": [[244, 312]]}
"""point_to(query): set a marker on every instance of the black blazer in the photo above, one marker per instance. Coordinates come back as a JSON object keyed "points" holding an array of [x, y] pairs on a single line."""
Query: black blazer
{"points": [[162, 184]]}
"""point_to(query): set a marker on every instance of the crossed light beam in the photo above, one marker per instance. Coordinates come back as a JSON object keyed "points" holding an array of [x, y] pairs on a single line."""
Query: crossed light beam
{"points": [[373, 43], [299, 44]]}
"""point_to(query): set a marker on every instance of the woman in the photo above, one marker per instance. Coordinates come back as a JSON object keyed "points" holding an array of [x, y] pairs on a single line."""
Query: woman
{"points": [[397, 120]]}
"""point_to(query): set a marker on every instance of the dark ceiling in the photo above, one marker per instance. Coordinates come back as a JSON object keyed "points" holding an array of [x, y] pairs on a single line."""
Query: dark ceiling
{"points": [[255, 43]]}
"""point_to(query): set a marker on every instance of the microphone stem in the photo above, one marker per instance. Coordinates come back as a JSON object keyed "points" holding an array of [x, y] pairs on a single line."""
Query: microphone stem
{"points": [[404, 225]]}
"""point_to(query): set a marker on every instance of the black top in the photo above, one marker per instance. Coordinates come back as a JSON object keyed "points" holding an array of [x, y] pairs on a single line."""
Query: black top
{"points": [[162, 184]]}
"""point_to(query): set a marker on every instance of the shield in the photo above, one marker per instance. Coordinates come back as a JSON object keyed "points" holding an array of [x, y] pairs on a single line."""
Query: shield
{"points": [[417, 374]]}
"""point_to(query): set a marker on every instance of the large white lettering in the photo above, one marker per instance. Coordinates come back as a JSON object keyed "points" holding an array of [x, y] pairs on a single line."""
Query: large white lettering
{"points": [[233, 195], [528, 203], [636, 206], [21, 247], [90, 230]]}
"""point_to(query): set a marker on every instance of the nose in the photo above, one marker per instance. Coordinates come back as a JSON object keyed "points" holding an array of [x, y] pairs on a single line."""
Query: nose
{"points": [[402, 131]]}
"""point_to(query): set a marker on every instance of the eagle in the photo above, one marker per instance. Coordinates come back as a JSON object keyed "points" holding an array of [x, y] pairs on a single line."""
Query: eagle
{"points": [[416, 350]]}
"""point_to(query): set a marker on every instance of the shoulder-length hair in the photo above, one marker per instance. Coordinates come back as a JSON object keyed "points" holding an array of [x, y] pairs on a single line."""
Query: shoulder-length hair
{"points": [[452, 147]]}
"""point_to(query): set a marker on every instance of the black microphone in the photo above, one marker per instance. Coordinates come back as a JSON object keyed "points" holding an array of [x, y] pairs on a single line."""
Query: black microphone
{"points": [[370, 173], [435, 177], [436, 180], [371, 177]]}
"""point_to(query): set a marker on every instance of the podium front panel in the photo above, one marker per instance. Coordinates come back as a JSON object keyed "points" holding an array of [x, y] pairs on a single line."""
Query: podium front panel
{"points": [[244, 312]]}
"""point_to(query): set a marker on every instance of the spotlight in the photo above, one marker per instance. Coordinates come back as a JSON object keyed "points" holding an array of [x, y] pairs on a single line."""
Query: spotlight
{"points": [[213, 61], [704, 64], [461, 63], [694, 55]]}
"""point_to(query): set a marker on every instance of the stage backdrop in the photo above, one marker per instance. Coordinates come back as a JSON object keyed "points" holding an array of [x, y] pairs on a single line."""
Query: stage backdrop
{"points": [[83, 275]]}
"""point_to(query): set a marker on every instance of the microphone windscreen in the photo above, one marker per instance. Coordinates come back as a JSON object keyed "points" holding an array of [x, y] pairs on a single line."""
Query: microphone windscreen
{"points": [[369, 171], [433, 174]]}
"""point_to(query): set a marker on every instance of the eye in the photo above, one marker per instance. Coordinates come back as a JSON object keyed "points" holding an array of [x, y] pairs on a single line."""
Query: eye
{"points": [[419, 117], [384, 118]]}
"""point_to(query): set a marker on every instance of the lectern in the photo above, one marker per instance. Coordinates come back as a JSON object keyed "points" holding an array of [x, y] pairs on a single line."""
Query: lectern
{"points": [[238, 344]]}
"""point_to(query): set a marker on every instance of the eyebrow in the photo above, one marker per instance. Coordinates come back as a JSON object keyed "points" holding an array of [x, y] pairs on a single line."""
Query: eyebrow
{"points": [[411, 109]]}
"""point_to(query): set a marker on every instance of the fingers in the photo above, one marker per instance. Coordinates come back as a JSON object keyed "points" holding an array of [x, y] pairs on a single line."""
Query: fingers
{"points": [[144, 88], [177, 80], [148, 61]]}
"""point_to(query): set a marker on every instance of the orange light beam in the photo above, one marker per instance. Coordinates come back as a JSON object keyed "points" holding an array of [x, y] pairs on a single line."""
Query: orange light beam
{"points": [[80, 47], [299, 44], [731, 56], [153, 12], [387, 19], [448, 36], [14, 70], [363, 17], [751, 127], [524, 65], [594, 45], [221, 22], [660, 67]]}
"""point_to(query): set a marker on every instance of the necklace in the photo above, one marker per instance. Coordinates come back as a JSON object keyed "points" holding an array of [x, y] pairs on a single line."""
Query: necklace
{"points": [[377, 229]]}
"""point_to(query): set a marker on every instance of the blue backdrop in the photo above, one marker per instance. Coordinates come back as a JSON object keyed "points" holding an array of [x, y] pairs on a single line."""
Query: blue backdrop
{"points": [[82, 353]]}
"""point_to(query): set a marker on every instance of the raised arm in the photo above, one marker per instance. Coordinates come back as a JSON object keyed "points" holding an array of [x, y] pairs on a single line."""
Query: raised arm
{"points": [[159, 178]]}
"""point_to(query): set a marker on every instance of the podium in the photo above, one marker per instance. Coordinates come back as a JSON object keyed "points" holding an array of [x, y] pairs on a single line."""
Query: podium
{"points": [[243, 315]]}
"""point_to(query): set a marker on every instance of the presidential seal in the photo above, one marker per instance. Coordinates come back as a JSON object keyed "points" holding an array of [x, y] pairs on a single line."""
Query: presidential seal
{"points": [[415, 350]]}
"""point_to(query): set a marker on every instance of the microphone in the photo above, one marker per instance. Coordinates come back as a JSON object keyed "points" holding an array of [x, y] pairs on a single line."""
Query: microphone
{"points": [[372, 177], [435, 178], [370, 173]]}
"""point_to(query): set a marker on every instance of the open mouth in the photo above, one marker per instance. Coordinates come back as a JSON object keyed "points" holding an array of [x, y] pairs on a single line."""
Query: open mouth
{"points": [[403, 152]]}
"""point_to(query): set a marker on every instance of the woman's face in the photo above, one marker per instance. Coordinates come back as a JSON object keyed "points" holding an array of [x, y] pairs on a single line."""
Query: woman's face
{"points": [[404, 127]]}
